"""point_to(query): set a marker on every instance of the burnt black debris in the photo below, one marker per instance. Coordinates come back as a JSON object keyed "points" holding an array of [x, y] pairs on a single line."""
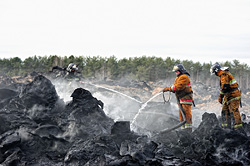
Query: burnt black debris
{"points": [[6, 95], [39, 92], [39, 128]]}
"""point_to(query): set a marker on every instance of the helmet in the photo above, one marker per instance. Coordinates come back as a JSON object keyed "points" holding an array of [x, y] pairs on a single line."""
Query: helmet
{"points": [[72, 67], [215, 68], [179, 67]]}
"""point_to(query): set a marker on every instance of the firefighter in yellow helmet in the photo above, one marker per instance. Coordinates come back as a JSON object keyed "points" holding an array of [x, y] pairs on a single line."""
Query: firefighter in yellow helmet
{"points": [[182, 89], [230, 97]]}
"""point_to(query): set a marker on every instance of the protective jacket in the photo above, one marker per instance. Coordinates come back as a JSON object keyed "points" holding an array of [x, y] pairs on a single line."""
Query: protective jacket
{"points": [[228, 87], [231, 94], [182, 88]]}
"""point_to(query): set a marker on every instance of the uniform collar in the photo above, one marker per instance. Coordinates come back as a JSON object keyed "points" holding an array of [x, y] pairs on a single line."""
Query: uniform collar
{"points": [[219, 73]]}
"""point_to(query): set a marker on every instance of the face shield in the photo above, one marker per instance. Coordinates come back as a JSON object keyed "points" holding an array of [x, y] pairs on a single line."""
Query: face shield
{"points": [[211, 71], [74, 68], [175, 68]]}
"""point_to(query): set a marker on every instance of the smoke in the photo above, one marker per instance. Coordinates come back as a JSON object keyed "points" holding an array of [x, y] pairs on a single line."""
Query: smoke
{"points": [[209, 107], [71, 131], [35, 110], [64, 88], [23, 133], [235, 154], [122, 107], [151, 115], [118, 107]]}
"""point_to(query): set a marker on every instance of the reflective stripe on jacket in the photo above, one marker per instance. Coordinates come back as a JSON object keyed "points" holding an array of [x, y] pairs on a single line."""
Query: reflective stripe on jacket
{"points": [[182, 88], [233, 93]]}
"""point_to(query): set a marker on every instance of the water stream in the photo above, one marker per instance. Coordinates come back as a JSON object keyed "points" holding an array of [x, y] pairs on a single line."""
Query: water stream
{"points": [[112, 90], [142, 107]]}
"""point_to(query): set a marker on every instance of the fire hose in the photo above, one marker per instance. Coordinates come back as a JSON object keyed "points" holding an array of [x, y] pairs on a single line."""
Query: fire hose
{"points": [[182, 113]]}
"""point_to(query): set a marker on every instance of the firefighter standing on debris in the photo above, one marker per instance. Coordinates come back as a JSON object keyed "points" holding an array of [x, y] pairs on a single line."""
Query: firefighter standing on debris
{"points": [[230, 97], [71, 72], [182, 89]]}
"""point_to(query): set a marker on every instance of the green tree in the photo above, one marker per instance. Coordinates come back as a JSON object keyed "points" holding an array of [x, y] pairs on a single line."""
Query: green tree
{"points": [[112, 67], [197, 69], [142, 73], [15, 66]]}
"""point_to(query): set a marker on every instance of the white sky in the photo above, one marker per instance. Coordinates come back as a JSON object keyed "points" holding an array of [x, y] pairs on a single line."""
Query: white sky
{"points": [[198, 30]]}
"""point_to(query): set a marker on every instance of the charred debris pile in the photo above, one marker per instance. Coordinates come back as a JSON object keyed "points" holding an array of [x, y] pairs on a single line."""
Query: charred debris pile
{"points": [[39, 128]]}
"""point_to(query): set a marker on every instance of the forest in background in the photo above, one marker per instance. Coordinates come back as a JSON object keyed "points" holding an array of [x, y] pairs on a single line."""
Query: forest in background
{"points": [[136, 68]]}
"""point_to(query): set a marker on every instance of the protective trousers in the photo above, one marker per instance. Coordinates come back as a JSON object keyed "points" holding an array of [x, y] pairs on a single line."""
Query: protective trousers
{"points": [[187, 112], [230, 115]]}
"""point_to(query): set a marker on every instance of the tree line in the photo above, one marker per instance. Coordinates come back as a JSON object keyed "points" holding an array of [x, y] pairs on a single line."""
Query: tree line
{"points": [[136, 68]]}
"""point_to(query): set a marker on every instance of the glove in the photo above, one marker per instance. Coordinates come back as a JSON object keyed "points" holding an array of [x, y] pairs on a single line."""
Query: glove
{"points": [[220, 99], [166, 89]]}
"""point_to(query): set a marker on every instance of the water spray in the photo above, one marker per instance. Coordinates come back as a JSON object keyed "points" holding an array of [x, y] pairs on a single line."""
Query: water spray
{"points": [[180, 124], [167, 129], [143, 106], [112, 90]]}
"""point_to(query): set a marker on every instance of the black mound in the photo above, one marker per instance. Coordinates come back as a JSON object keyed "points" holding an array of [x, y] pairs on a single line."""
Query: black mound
{"points": [[38, 128], [6, 95]]}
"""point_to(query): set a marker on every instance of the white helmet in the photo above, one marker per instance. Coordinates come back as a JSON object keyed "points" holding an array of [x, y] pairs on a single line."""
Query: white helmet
{"points": [[72, 67], [215, 69]]}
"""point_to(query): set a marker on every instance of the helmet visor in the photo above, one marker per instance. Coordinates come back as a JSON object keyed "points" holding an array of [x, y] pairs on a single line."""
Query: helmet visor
{"points": [[175, 68], [212, 71]]}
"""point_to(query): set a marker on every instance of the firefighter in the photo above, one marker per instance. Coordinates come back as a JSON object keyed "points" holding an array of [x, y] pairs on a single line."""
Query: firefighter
{"points": [[230, 97], [69, 73], [182, 89]]}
